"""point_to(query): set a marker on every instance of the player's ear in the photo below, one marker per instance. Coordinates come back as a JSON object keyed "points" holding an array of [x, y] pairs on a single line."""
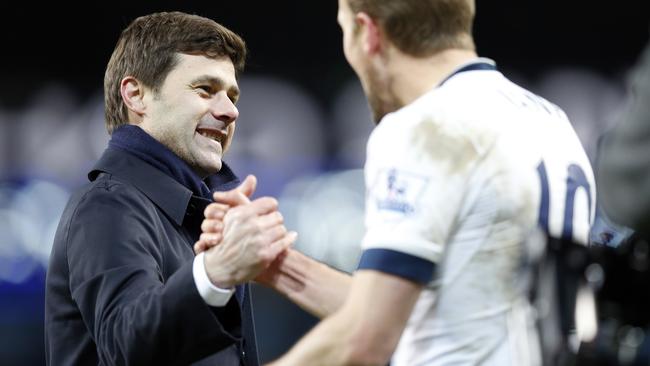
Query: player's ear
{"points": [[132, 92], [370, 33]]}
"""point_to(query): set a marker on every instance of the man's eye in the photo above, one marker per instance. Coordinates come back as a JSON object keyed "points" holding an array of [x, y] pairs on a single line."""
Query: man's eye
{"points": [[205, 88]]}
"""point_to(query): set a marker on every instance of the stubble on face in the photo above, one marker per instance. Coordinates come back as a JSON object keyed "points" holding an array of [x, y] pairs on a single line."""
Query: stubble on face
{"points": [[176, 132], [378, 87], [177, 110], [377, 83], [204, 160]]}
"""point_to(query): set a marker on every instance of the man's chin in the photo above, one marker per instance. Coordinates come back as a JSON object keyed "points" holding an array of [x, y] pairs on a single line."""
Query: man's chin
{"points": [[205, 170], [214, 168]]}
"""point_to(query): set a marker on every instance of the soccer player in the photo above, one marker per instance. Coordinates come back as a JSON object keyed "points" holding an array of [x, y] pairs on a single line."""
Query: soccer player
{"points": [[462, 167]]}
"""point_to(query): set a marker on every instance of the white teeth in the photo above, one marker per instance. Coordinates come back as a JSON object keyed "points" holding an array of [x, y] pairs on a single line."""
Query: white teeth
{"points": [[212, 136]]}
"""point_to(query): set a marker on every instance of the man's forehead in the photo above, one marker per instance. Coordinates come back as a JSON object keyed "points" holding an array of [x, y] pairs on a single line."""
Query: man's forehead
{"points": [[203, 61], [195, 66]]}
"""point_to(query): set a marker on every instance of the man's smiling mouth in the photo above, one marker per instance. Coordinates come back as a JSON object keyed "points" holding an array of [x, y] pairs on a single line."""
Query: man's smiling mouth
{"points": [[212, 134]]}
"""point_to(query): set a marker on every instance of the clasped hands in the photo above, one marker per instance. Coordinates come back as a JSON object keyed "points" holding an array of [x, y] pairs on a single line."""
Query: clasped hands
{"points": [[241, 238]]}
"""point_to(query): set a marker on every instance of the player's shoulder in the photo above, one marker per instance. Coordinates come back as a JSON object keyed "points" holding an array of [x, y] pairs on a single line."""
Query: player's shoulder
{"points": [[437, 118]]}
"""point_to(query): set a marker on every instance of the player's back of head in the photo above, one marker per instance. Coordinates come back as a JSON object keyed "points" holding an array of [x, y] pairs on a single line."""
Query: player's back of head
{"points": [[422, 27]]}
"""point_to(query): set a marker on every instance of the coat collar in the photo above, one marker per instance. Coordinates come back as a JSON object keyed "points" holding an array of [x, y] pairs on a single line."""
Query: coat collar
{"points": [[172, 197]]}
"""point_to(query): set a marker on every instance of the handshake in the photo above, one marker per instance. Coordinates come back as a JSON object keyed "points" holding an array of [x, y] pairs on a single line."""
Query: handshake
{"points": [[242, 239]]}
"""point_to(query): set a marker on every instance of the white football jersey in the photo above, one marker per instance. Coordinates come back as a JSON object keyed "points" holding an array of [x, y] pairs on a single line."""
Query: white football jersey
{"points": [[456, 182]]}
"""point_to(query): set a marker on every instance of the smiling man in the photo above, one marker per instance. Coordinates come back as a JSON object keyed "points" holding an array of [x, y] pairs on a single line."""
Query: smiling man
{"points": [[123, 286]]}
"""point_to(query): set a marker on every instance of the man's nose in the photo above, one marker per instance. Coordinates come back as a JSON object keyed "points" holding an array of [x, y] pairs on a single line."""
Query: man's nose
{"points": [[224, 109]]}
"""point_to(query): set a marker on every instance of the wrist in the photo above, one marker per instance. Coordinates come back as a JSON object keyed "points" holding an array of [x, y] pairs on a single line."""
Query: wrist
{"points": [[218, 272], [211, 294]]}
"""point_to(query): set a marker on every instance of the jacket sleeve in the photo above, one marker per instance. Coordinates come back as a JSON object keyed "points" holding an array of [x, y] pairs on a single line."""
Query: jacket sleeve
{"points": [[133, 314], [624, 160]]}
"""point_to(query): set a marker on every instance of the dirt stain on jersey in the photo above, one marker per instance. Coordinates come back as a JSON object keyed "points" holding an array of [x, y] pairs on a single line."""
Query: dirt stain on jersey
{"points": [[453, 145]]}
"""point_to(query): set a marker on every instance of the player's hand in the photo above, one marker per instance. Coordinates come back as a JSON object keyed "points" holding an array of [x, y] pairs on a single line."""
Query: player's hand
{"points": [[252, 236], [286, 271], [273, 273], [212, 225]]}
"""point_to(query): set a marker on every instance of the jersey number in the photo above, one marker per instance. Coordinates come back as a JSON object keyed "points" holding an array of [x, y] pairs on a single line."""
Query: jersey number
{"points": [[575, 178]]}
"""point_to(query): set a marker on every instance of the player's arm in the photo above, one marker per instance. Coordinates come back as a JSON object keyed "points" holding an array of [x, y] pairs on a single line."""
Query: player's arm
{"points": [[365, 330], [312, 285]]}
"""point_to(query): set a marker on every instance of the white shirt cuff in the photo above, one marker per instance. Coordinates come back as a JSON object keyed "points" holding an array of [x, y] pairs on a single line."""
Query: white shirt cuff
{"points": [[211, 294]]}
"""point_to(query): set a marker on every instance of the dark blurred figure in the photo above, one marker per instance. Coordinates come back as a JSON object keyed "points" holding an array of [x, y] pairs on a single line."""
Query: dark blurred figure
{"points": [[623, 177], [624, 163]]}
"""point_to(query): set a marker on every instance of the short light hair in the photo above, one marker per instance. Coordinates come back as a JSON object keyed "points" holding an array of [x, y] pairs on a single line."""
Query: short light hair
{"points": [[422, 27], [148, 50]]}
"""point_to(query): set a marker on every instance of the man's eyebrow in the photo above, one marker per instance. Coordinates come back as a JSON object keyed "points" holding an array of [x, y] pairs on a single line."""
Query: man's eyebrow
{"points": [[216, 81]]}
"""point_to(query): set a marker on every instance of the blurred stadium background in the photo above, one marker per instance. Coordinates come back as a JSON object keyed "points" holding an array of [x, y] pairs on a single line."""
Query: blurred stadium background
{"points": [[302, 130]]}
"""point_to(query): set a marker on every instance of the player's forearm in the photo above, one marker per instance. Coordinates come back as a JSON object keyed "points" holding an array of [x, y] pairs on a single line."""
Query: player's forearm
{"points": [[315, 287], [319, 348], [366, 328], [324, 292], [336, 341]]}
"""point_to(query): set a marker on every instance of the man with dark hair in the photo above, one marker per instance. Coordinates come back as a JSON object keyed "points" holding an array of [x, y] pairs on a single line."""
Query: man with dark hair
{"points": [[123, 286], [462, 167]]}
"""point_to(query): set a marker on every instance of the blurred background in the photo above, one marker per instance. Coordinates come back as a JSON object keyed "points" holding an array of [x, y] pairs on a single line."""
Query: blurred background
{"points": [[302, 129]]}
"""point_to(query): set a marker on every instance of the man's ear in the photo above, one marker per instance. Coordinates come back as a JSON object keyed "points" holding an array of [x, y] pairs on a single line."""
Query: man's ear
{"points": [[132, 92], [371, 36]]}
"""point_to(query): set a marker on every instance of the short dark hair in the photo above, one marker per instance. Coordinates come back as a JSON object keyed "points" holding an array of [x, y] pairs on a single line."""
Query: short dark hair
{"points": [[422, 27], [147, 50]]}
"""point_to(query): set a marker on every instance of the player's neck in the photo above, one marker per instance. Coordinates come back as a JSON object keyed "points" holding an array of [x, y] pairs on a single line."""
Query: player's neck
{"points": [[414, 76]]}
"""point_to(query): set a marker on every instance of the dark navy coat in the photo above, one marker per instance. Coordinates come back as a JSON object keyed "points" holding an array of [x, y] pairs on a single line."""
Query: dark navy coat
{"points": [[119, 287]]}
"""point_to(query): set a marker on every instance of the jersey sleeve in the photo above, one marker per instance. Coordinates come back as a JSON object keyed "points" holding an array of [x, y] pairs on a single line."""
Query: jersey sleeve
{"points": [[416, 173]]}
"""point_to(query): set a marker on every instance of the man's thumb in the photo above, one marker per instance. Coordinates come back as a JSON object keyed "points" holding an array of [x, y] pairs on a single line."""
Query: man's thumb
{"points": [[239, 195], [248, 185]]}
